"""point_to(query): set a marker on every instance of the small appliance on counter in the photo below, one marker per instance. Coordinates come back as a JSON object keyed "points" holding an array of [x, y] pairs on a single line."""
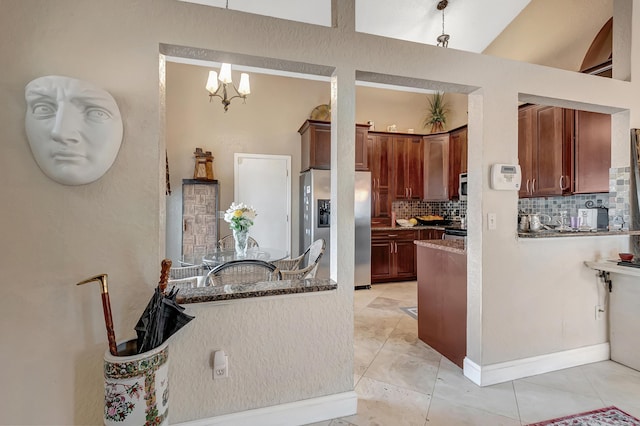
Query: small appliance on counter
{"points": [[602, 215]]}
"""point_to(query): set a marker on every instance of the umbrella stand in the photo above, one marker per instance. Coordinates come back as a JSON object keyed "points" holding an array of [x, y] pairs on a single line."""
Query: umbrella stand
{"points": [[106, 307]]}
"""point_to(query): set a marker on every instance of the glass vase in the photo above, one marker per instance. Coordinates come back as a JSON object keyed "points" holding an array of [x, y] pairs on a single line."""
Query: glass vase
{"points": [[240, 238]]}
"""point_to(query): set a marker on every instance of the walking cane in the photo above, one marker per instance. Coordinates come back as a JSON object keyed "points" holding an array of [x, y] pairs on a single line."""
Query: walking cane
{"points": [[106, 307]]}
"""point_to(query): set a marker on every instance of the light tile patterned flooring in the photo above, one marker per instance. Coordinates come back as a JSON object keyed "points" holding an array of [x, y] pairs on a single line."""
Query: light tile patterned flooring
{"points": [[402, 381]]}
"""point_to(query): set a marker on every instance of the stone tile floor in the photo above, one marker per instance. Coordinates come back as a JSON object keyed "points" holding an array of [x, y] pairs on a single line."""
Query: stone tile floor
{"points": [[402, 381]]}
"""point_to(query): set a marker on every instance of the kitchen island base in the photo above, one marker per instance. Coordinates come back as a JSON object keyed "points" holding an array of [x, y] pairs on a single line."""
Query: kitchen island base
{"points": [[442, 297]]}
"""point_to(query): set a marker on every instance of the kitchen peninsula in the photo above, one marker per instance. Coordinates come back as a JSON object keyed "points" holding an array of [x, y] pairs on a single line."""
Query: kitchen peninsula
{"points": [[442, 297]]}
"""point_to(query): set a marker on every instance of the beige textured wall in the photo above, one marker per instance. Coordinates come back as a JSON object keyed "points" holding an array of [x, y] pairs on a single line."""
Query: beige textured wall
{"points": [[53, 236], [553, 33]]}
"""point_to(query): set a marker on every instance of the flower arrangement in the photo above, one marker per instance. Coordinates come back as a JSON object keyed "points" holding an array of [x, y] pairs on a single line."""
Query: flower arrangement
{"points": [[240, 216]]}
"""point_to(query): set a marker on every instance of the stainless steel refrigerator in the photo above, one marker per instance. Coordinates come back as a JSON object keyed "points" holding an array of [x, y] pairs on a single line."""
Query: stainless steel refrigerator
{"points": [[315, 214]]}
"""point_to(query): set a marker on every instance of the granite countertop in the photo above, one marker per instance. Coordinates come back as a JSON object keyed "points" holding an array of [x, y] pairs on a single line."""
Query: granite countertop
{"points": [[405, 228], [452, 246], [261, 289], [454, 225], [562, 234]]}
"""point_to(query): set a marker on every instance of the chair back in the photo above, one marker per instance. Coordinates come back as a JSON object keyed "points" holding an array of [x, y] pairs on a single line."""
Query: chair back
{"points": [[246, 271], [187, 276], [316, 250], [181, 283], [228, 243], [309, 264]]}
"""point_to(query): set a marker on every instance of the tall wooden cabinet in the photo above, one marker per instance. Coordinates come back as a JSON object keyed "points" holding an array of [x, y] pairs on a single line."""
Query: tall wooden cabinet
{"points": [[407, 168], [379, 153]]}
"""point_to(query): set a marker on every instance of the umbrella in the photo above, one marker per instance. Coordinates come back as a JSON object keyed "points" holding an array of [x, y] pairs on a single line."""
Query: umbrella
{"points": [[162, 317]]}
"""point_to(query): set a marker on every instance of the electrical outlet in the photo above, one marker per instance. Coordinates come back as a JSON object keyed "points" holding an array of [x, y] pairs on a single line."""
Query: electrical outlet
{"points": [[599, 312], [220, 365]]}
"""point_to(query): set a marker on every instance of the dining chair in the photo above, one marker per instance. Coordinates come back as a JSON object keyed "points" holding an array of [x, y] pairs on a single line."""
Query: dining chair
{"points": [[180, 275], [245, 271], [308, 264], [189, 282], [228, 243]]}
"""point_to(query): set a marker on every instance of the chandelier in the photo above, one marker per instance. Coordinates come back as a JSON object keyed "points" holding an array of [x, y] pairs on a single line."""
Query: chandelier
{"points": [[443, 39], [227, 87]]}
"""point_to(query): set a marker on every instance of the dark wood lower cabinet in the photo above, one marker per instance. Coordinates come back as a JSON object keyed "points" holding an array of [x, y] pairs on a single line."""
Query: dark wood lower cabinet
{"points": [[393, 256], [393, 253], [442, 302]]}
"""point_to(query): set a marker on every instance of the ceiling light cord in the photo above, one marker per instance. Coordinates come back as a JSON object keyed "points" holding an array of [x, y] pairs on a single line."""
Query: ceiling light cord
{"points": [[443, 39]]}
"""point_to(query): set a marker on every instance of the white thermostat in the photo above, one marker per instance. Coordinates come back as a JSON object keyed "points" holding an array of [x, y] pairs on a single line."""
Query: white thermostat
{"points": [[506, 177]]}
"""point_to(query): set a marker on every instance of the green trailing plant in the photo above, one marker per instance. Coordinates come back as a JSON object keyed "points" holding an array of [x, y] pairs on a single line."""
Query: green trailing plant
{"points": [[436, 113]]}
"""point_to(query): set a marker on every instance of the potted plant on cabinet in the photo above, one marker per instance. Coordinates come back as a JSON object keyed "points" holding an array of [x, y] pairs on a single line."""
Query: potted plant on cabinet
{"points": [[436, 113]]}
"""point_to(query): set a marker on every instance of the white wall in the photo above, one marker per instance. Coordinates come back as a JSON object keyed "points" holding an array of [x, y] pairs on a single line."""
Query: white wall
{"points": [[53, 236]]}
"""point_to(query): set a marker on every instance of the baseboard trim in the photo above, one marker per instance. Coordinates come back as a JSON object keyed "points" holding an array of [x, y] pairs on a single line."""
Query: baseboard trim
{"points": [[293, 413], [505, 371]]}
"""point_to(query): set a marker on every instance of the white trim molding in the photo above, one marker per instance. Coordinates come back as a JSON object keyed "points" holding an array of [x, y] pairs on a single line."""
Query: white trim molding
{"points": [[293, 413], [511, 370]]}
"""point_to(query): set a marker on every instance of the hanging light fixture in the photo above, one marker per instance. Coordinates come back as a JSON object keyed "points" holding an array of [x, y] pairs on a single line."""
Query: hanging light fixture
{"points": [[443, 39], [220, 90]]}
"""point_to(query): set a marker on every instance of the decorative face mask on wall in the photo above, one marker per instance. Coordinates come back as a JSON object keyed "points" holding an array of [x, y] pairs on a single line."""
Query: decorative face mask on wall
{"points": [[74, 128]]}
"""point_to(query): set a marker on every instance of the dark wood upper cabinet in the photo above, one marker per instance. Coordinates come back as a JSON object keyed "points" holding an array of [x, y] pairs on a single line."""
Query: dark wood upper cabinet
{"points": [[592, 152], [563, 151], [379, 153], [436, 167], [541, 149], [407, 167], [315, 136], [457, 159]]}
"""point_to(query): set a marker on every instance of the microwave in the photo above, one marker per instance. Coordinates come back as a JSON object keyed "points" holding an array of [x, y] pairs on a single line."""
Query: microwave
{"points": [[462, 187]]}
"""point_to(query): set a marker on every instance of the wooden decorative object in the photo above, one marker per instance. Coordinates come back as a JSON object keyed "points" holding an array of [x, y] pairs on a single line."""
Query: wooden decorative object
{"points": [[203, 169]]}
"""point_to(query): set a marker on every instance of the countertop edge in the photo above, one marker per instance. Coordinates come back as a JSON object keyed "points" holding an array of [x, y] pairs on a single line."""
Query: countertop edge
{"points": [[260, 289], [558, 234], [452, 246]]}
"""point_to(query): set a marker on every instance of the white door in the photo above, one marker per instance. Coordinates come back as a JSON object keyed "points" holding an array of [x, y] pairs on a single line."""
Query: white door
{"points": [[264, 182]]}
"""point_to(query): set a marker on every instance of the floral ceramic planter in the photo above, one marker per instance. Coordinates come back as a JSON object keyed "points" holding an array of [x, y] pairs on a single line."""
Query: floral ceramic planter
{"points": [[136, 387]]}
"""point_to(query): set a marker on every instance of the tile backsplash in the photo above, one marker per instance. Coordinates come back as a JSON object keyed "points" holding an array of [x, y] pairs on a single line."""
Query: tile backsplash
{"points": [[617, 200], [446, 209]]}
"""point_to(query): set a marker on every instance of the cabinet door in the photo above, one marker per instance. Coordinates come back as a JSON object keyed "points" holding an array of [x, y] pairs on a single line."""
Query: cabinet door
{"points": [[399, 168], [592, 152], [378, 159], [381, 252], [415, 168], [457, 160], [436, 167], [526, 137], [407, 167], [362, 162], [405, 258], [548, 154]]}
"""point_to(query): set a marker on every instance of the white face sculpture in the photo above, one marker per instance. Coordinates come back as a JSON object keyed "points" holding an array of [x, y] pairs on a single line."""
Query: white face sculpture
{"points": [[74, 128]]}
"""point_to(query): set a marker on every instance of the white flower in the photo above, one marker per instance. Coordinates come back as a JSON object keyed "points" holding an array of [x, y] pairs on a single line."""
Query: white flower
{"points": [[240, 216]]}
